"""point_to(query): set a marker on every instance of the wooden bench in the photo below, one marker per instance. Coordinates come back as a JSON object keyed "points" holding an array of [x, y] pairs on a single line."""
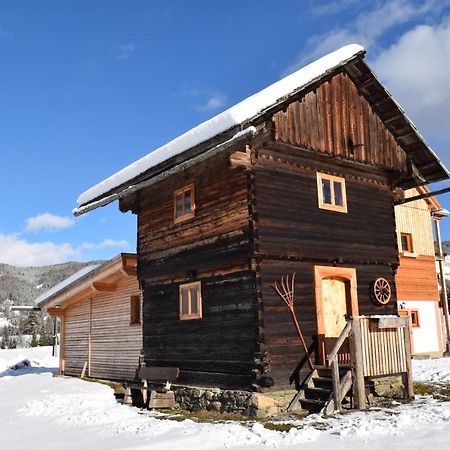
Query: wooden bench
{"points": [[153, 380]]}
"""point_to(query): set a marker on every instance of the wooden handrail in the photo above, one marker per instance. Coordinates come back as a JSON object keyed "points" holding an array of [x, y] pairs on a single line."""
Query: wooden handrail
{"points": [[340, 340], [333, 361]]}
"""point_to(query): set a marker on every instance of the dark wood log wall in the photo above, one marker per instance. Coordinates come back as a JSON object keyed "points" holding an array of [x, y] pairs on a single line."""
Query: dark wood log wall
{"points": [[214, 248], [294, 235], [253, 226], [334, 116]]}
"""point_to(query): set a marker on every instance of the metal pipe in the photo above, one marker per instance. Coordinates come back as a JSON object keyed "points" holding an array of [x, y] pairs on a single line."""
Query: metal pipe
{"points": [[444, 299]]}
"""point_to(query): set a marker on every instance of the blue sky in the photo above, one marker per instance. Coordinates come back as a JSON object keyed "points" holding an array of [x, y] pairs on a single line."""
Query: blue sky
{"points": [[88, 87]]}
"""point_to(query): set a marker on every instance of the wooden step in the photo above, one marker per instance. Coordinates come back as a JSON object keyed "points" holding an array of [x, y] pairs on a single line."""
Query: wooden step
{"points": [[325, 371], [311, 405], [318, 393], [323, 382]]}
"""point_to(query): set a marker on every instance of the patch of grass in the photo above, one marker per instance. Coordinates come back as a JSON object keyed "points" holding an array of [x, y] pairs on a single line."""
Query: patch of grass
{"points": [[282, 427], [424, 389], [115, 386]]}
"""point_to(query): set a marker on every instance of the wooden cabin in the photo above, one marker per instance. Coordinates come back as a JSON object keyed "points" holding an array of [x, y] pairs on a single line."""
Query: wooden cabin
{"points": [[300, 178], [100, 308], [416, 279]]}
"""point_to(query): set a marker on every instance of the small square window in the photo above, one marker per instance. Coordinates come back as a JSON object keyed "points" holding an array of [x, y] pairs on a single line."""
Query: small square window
{"points": [[190, 301], [184, 203], [331, 192], [406, 242], [135, 310], [413, 315]]}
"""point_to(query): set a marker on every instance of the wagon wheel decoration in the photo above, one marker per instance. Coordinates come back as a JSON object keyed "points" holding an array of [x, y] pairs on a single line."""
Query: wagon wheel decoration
{"points": [[286, 292], [381, 291]]}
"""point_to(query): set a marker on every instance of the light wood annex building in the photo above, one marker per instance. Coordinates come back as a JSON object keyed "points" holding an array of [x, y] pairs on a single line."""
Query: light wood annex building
{"points": [[101, 319], [416, 278]]}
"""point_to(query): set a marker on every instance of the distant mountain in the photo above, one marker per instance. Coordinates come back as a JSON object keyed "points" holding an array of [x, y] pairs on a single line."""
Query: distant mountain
{"points": [[21, 285]]}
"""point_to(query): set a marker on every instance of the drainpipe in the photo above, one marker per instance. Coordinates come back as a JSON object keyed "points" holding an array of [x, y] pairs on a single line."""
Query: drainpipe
{"points": [[437, 216]]}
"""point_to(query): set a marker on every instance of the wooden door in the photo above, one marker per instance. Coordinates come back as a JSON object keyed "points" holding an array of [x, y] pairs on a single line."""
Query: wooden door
{"points": [[336, 300], [334, 304]]}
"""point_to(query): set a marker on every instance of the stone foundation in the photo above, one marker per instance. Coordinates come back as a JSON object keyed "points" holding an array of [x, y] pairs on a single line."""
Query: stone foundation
{"points": [[250, 404], [388, 387]]}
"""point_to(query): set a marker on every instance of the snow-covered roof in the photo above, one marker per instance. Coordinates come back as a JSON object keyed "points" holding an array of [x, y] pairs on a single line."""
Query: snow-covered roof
{"points": [[232, 117], [66, 283]]}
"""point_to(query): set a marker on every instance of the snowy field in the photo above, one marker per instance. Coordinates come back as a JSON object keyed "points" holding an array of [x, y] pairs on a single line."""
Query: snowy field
{"points": [[38, 411]]}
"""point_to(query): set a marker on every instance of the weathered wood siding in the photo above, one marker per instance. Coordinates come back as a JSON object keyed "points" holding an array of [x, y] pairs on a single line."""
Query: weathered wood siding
{"points": [[334, 116], [216, 350], [213, 247], [115, 344], [76, 337], [217, 238], [291, 224], [293, 235], [97, 331]]}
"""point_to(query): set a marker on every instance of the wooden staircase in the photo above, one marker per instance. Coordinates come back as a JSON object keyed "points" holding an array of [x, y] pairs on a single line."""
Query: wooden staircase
{"points": [[316, 394]]}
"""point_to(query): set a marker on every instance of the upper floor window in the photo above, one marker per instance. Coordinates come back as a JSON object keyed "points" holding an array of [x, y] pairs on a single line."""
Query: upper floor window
{"points": [[331, 192], [184, 203], [191, 301], [406, 241]]}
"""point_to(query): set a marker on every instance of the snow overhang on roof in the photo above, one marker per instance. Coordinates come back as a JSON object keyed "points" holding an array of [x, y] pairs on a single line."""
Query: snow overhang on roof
{"points": [[82, 283], [241, 115]]}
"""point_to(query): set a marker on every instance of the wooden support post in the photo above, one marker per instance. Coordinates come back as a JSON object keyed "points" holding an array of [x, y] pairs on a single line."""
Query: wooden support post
{"points": [[144, 391], [359, 391], [127, 399], [409, 385], [336, 384], [83, 372]]}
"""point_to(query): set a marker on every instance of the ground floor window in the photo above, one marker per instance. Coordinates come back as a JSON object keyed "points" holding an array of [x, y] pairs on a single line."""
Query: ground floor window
{"points": [[191, 301]]}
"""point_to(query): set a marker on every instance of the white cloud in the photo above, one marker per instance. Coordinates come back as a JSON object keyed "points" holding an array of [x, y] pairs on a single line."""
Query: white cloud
{"points": [[107, 243], [214, 102], [48, 221], [19, 252], [368, 27], [124, 51], [416, 70]]}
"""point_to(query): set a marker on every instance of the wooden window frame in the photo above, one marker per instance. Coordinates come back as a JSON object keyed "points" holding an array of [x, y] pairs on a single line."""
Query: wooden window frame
{"points": [[182, 191], [135, 299], [413, 316], [410, 248], [189, 315], [333, 179]]}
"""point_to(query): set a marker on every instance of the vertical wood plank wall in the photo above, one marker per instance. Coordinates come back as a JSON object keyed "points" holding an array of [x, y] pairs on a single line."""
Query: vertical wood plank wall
{"points": [[383, 350], [331, 116], [114, 344], [414, 218]]}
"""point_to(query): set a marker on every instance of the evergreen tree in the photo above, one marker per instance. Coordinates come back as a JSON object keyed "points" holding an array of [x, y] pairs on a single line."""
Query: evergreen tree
{"points": [[34, 339]]}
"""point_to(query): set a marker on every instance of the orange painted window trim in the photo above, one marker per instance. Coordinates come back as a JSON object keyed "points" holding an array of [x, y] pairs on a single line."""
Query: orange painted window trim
{"points": [[320, 194], [187, 288], [182, 193], [409, 242], [413, 315]]}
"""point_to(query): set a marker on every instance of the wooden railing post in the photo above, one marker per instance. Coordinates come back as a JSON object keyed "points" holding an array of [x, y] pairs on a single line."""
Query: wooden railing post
{"points": [[359, 392], [336, 383], [409, 385]]}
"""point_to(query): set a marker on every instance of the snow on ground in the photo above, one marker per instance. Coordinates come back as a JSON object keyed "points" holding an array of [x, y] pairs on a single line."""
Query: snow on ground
{"points": [[39, 410], [432, 370]]}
